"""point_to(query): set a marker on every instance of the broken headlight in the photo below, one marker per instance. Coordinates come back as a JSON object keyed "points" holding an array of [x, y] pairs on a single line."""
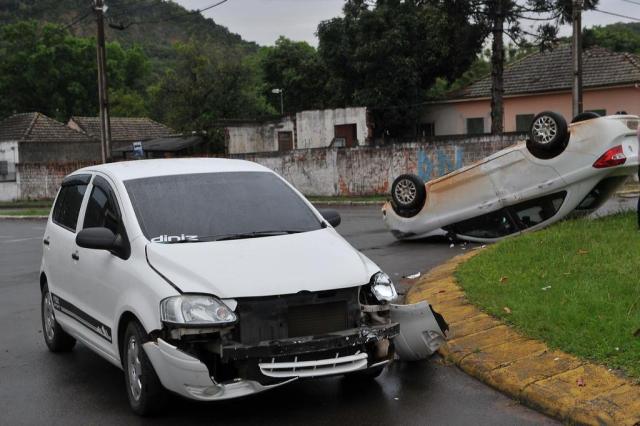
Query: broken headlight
{"points": [[382, 287], [195, 310]]}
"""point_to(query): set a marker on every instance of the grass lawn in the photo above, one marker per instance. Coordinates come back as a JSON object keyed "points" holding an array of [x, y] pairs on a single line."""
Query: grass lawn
{"points": [[575, 285], [25, 212]]}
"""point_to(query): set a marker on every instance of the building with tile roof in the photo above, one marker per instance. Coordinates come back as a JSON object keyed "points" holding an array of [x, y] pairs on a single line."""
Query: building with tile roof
{"points": [[538, 82], [124, 130]]}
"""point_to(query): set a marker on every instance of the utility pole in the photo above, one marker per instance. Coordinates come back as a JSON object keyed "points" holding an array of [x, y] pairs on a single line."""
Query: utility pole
{"points": [[103, 95], [497, 68], [577, 57]]}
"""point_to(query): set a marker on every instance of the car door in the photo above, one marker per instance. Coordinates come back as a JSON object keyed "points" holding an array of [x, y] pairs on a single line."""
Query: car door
{"points": [[102, 274], [538, 211], [60, 264]]}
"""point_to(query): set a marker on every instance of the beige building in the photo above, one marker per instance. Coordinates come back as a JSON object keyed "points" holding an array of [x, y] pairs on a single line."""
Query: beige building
{"points": [[342, 127], [539, 82]]}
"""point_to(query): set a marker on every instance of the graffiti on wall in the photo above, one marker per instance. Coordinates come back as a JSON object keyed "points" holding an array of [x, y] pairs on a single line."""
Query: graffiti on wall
{"points": [[438, 163]]}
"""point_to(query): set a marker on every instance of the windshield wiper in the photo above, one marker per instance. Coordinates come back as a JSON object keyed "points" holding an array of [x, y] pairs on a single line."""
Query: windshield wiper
{"points": [[255, 234]]}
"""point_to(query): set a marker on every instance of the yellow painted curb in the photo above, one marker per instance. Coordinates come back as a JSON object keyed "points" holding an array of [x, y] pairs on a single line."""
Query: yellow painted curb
{"points": [[554, 382]]}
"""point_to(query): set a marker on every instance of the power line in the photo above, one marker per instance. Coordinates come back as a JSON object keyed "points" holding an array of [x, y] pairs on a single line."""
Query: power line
{"points": [[632, 2], [172, 17], [616, 14]]}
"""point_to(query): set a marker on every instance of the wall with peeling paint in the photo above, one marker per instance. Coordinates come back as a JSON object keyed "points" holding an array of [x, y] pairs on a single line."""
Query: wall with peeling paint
{"points": [[371, 170]]}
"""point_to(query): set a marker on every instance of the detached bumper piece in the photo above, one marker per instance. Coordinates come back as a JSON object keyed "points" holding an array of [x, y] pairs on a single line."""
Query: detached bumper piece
{"points": [[422, 331]]}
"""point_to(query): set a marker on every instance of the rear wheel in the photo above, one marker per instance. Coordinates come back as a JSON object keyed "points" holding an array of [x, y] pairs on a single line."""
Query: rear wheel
{"points": [[583, 116], [549, 135], [55, 337], [408, 193], [146, 394]]}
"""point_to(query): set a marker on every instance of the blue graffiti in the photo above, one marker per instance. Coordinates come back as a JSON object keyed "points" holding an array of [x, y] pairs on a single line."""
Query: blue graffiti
{"points": [[426, 166]]}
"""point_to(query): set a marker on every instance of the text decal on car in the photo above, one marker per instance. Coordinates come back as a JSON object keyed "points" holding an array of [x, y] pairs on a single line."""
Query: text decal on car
{"points": [[172, 238]]}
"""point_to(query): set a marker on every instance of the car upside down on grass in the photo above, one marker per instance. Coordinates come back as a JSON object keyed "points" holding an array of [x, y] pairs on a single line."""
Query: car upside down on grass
{"points": [[561, 170]]}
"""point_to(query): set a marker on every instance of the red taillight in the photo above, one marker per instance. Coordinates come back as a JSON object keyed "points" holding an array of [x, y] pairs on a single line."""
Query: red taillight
{"points": [[611, 158]]}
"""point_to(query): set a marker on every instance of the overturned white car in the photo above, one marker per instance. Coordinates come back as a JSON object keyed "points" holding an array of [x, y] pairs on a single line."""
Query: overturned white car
{"points": [[561, 170], [215, 279]]}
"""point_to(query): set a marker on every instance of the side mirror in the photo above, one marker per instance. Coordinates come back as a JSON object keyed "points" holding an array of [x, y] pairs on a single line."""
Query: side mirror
{"points": [[97, 238], [332, 216]]}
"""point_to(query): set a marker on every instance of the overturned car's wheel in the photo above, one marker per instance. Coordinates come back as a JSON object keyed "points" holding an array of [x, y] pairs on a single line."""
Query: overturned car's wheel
{"points": [[408, 194], [146, 394], [583, 116], [548, 136]]}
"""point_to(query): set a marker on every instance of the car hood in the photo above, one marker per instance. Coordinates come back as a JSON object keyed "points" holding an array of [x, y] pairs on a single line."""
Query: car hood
{"points": [[267, 266]]}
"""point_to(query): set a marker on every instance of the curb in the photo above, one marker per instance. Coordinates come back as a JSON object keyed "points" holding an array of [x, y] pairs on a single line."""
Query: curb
{"points": [[10, 217], [556, 383]]}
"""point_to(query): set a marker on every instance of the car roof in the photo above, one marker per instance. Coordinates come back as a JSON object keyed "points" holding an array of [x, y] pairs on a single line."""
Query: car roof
{"points": [[127, 170]]}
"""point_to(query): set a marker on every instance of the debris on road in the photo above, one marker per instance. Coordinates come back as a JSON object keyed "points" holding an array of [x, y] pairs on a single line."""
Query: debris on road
{"points": [[413, 276]]}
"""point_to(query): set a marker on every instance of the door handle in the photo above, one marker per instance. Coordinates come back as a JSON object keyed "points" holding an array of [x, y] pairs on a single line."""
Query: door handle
{"points": [[75, 256], [46, 241]]}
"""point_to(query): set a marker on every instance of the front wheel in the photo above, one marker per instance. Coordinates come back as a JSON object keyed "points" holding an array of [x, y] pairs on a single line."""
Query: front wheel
{"points": [[408, 193], [146, 394], [55, 337]]}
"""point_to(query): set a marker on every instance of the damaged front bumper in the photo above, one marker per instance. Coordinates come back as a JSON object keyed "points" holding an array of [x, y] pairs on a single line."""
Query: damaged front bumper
{"points": [[422, 331], [272, 363]]}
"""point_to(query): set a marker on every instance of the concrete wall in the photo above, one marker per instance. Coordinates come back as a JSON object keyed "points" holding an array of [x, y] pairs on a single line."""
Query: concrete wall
{"points": [[9, 153], [316, 128], [258, 137], [450, 118], [39, 181], [371, 170]]}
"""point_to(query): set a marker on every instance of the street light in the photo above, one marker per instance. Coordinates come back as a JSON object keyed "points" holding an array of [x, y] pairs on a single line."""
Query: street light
{"points": [[281, 91]]}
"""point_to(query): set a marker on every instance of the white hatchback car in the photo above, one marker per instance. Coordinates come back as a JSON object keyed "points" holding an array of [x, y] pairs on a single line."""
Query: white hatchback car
{"points": [[561, 170], [215, 279]]}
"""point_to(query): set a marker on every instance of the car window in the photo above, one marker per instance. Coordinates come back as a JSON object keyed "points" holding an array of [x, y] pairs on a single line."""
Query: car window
{"points": [[206, 205], [536, 211], [101, 209], [600, 193], [491, 225], [67, 207]]}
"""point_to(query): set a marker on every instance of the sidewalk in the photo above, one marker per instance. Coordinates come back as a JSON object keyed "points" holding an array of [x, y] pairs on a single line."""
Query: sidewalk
{"points": [[554, 382]]}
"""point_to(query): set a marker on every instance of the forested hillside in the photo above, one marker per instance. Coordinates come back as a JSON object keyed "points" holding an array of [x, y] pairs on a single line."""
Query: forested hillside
{"points": [[153, 24]]}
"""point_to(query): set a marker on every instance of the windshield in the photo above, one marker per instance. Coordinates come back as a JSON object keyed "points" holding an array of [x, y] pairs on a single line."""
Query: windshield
{"points": [[216, 206]]}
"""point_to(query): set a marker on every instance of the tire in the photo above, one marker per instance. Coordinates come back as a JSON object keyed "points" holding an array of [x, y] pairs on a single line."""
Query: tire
{"points": [[548, 132], [146, 394], [408, 193], [365, 375], [583, 116], [55, 337]]}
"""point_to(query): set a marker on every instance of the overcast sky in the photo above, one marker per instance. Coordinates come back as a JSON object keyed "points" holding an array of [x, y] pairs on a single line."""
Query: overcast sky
{"points": [[263, 21]]}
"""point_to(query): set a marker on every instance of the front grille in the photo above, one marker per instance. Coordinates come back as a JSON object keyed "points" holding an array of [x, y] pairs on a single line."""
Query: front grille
{"points": [[296, 315], [310, 320]]}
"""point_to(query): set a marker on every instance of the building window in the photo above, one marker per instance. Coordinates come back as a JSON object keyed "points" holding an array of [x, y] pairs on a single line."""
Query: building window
{"points": [[426, 130], [7, 171], [475, 126], [600, 112], [285, 141], [523, 122]]}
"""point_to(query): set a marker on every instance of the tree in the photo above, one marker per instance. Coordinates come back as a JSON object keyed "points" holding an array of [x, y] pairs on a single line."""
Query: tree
{"points": [[618, 37], [387, 55], [204, 85], [295, 67], [503, 18], [46, 69]]}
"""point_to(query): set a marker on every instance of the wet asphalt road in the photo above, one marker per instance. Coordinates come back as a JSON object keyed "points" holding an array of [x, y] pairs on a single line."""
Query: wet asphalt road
{"points": [[38, 387]]}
